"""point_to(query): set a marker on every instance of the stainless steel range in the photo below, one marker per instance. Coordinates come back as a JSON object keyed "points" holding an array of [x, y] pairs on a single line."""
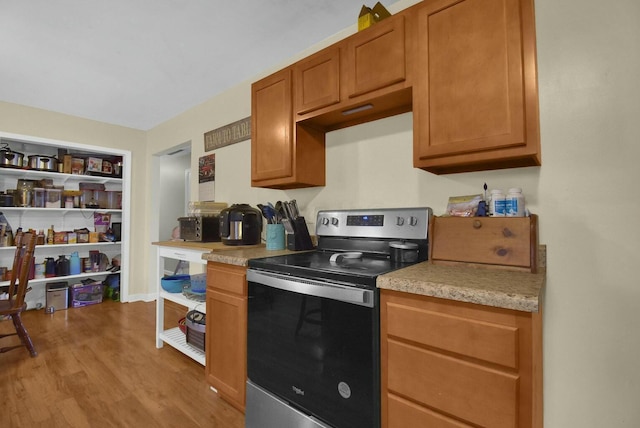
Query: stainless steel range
{"points": [[314, 325]]}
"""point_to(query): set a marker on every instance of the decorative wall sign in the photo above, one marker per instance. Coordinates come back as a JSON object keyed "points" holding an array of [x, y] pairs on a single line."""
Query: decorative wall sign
{"points": [[228, 134], [206, 177]]}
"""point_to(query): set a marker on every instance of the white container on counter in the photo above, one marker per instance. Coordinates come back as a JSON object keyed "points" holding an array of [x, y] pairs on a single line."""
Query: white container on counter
{"points": [[497, 206], [515, 203]]}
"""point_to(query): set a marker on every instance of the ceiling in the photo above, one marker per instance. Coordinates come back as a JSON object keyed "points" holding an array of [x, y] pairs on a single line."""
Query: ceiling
{"points": [[138, 63]]}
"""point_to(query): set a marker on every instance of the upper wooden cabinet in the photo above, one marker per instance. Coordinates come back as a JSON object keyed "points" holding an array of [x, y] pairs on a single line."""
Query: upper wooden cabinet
{"points": [[467, 69], [475, 93], [364, 77], [317, 81], [282, 156], [376, 58]]}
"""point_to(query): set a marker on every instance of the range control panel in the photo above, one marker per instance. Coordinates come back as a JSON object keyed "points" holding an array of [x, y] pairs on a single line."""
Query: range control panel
{"points": [[392, 223]]}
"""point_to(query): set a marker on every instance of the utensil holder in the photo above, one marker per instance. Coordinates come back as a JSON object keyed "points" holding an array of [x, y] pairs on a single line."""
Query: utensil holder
{"points": [[298, 237]]}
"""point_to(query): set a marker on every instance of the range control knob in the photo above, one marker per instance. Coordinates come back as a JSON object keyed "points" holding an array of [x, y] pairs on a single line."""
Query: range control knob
{"points": [[325, 221], [334, 221], [399, 221], [413, 220]]}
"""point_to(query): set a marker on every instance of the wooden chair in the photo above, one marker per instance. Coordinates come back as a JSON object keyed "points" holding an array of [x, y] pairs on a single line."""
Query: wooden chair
{"points": [[15, 305]]}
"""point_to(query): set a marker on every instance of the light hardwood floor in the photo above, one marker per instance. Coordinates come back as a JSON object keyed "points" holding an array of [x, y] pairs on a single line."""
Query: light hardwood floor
{"points": [[98, 367]]}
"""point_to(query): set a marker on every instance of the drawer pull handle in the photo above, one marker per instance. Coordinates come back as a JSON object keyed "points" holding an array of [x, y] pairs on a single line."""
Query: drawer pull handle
{"points": [[502, 252], [477, 224]]}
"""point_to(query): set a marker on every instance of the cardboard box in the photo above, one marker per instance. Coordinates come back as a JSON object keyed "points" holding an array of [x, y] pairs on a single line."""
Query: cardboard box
{"points": [[88, 292], [77, 166], [67, 161], [94, 164], [365, 19], [60, 237], [369, 16]]}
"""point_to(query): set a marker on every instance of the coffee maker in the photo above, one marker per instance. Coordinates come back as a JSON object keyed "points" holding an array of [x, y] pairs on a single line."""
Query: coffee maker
{"points": [[240, 224]]}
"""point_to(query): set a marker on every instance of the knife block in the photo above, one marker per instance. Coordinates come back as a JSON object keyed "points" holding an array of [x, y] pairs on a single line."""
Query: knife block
{"points": [[297, 235]]}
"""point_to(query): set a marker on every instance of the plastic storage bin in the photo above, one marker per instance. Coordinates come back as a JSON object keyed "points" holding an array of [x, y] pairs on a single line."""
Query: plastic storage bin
{"points": [[39, 197], [199, 283], [53, 199]]}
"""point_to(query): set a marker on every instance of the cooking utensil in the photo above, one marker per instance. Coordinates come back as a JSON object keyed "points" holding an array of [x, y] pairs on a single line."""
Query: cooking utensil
{"points": [[280, 211], [9, 158], [403, 252], [43, 163], [294, 207]]}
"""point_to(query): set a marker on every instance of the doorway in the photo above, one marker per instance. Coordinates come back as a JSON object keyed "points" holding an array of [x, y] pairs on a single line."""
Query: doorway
{"points": [[172, 189]]}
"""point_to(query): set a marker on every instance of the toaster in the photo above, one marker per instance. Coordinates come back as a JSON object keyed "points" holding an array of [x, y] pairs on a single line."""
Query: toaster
{"points": [[200, 228]]}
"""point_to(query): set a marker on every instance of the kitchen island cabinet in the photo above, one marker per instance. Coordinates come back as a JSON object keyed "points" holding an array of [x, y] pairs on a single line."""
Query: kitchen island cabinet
{"points": [[226, 331], [475, 98]]}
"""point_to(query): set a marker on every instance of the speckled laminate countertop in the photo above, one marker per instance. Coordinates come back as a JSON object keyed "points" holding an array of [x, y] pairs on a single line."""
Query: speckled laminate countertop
{"points": [[240, 256], [521, 291]]}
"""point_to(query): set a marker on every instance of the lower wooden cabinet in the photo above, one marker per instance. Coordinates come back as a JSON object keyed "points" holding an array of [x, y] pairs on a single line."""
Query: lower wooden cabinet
{"points": [[226, 331], [452, 364]]}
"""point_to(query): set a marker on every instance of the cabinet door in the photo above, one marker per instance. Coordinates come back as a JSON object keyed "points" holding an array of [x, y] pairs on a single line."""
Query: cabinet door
{"points": [[282, 157], [376, 57], [226, 345], [226, 332], [317, 81], [475, 98], [272, 127]]}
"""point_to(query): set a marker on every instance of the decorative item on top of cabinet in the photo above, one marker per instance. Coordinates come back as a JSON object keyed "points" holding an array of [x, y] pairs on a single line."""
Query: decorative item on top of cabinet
{"points": [[282, 156], [226, 331], [476, 95]]}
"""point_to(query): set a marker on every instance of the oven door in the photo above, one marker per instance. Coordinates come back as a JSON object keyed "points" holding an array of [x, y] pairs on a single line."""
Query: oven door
{"points": [[315, 346]]}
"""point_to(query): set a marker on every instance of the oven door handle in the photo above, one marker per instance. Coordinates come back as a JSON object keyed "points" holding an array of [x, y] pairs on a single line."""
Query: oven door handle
{"points": [[308, 287]]}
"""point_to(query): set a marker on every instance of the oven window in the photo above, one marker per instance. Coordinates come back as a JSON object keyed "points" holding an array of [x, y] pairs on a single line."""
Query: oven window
{"points": [[319, 354]]}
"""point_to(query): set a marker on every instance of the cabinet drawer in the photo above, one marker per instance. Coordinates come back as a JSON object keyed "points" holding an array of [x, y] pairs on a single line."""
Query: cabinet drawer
{"points": [[478, 339], [477, 394], [486, 240], [232, 279], [403, 414]]}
